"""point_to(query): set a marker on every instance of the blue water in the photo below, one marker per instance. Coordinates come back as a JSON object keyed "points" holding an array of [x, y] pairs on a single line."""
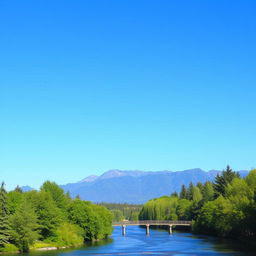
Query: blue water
{"points": [[159, 242]]}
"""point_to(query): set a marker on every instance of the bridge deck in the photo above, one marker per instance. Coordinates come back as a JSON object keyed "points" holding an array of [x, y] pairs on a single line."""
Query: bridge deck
{"points": [[153, 223]]}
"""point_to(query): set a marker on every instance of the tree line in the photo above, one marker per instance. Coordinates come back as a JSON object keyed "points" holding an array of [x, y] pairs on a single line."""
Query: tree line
{"points": [[49, 217], [225, 207], [123, 211]]}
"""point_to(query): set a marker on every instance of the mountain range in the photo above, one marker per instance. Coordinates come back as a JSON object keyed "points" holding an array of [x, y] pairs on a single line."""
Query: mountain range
{"points": [[136, 187]]}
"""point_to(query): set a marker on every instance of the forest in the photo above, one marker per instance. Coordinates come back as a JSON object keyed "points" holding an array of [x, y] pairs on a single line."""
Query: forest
{"points": [[225, 207], [123, 211], [49, 218]]}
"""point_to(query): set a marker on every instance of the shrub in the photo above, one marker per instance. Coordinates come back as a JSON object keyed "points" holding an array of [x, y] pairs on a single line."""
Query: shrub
{"points": [[40, 244], [9, 248], [69, 235]]}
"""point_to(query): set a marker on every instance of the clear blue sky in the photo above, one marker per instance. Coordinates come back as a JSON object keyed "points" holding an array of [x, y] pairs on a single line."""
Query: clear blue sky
{"points": [[88, 86]]}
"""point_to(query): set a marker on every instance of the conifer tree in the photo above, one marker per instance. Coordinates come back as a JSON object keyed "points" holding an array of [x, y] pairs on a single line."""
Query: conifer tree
{"points": [[183, 192], [175, 194], [4, 218], [190, 191], [223, 179], [18, 189]]}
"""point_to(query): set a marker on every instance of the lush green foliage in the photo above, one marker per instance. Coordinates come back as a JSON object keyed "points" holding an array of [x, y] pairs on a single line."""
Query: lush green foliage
{"points": [[49, 217], [123, 211], [221, 181], [4, 220], [69, 235], [226, 207], [117, 215], [7, 248], [24, 226], [163, 208]]}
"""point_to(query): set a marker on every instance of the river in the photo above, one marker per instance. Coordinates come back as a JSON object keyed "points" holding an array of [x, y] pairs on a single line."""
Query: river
{"points": [[159, 242]]}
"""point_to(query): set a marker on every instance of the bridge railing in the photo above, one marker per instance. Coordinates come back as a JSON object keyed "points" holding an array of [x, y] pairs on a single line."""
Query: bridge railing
{"points": [[155, 222]]}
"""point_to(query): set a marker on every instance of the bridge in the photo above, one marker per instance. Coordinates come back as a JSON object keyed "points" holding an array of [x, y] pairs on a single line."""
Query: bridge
{"points": [[149, 223]]}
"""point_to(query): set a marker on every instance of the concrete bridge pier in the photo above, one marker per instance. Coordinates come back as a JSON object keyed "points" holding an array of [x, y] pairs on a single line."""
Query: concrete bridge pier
{"points": [[147, 223], [147, 230], [170, 229], [123, 230]]}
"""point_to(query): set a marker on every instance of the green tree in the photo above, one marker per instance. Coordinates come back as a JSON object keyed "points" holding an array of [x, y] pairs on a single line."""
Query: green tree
{"points": [[24, 226], [81, 214], [241, 197], [18, 189], [208, 191], [134, 216], [183, 192], [190, 191], [4, 219], [251, 209], [223, 179], [251, 180], [57, 193], [69, 235], [215, 217], [14, 200], [196, 194], [104, 219], [117, 215], [175, 194], [160, 209], [200, 186], [182, 209], [205, 222], [49, 215], [238, 189]]}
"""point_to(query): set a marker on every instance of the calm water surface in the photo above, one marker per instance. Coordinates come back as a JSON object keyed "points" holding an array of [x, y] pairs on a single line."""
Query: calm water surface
{"points": [[159, 242]]}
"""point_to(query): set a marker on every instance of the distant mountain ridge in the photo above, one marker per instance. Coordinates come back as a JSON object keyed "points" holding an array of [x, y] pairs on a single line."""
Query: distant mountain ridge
{"points": [[26, 188], [118, 186]]}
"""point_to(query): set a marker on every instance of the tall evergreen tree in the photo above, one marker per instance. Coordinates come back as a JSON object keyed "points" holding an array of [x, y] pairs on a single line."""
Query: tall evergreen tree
{"points": [[223, 179], [175, 194], [190, 191], [183, 192], [18, 189], [4, 218]]}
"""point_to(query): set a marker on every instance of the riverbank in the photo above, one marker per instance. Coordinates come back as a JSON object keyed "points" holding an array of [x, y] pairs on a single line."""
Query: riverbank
{"points": [[52, 248], [40, 246]]}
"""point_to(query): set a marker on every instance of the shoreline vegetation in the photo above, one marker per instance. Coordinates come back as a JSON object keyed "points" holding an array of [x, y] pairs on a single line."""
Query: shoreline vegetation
{"points": [[31, 249], [49, 219], [224, 208], [123, 211]]}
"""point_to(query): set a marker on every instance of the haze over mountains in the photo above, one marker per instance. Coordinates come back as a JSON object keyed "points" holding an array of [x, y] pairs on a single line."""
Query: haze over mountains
{"points": [[136, 187]]}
